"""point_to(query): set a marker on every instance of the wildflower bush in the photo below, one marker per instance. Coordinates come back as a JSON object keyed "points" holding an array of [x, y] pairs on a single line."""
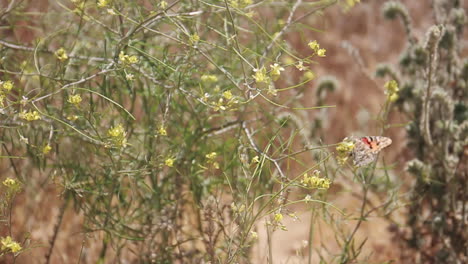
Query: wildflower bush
{"points": [[176, 129]]}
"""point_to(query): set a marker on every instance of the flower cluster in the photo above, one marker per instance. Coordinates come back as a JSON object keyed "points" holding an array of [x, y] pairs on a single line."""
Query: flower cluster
{"points": [[225, 102], [161, 131], [314, 181], [46, 149], [209, 78], [12, 184], [29, 116], [194, 38], [118, 135], [61, 54], [5, 88], [344, 150], [169, 162], [127, 59], [261, 76], [391, 90], [316, 48], [75, 99], [211, 159], [8, 244]]}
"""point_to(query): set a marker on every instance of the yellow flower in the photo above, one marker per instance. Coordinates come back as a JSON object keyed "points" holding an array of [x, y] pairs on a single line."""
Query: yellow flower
{"points": [[314, 181], [209, 78], [256, 159], [129, 77], [126, 59], [300, 66], [47, 148], [72, 117], [118, 134], [261, 76], [8, 243], [276, 70], [74, 99], [111, 12], [278, 217], [162, 131], [194, 38], [163, 4], [29, 116], [253, 235], [227, 95], [12, 183], [169, 162], [211, 155], [314, 45], [8, 85], [103, 3], [344, 149], [321, 52], [61, 54], [391, 90], [116, 131]]}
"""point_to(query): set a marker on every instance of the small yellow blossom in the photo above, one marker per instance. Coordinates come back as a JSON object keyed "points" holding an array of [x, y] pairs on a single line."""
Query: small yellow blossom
{"points": [[209, 78], [211, 155], [162, 131], [314, 45], [272, 90], [256, 159], [111, 11], [116, 131], [391, 90], [12, 184], [227, 95], [344, 150], [278, 217], [308, 198], [103, 3], [61, 54], [276, 70], [163, 4], [10, 244], [314, 181], [29, 116], [129, 77], [194, 38], [169, 162], [261, 76], [127, 59], [72, 117], [300, 66], [75, 99], [253, 235], [8, 85], [47, 148], [321, 52], [118, 135]]}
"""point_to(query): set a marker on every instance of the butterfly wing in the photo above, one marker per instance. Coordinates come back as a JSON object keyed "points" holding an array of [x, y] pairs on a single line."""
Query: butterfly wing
{"points": [[367, 148]]}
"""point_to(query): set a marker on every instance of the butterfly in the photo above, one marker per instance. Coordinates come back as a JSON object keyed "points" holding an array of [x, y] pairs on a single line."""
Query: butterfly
{"points": [[366, 149]]}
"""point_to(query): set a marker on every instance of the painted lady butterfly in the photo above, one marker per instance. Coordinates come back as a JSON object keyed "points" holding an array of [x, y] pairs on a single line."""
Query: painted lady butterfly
{"points": [[366, 149]]}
